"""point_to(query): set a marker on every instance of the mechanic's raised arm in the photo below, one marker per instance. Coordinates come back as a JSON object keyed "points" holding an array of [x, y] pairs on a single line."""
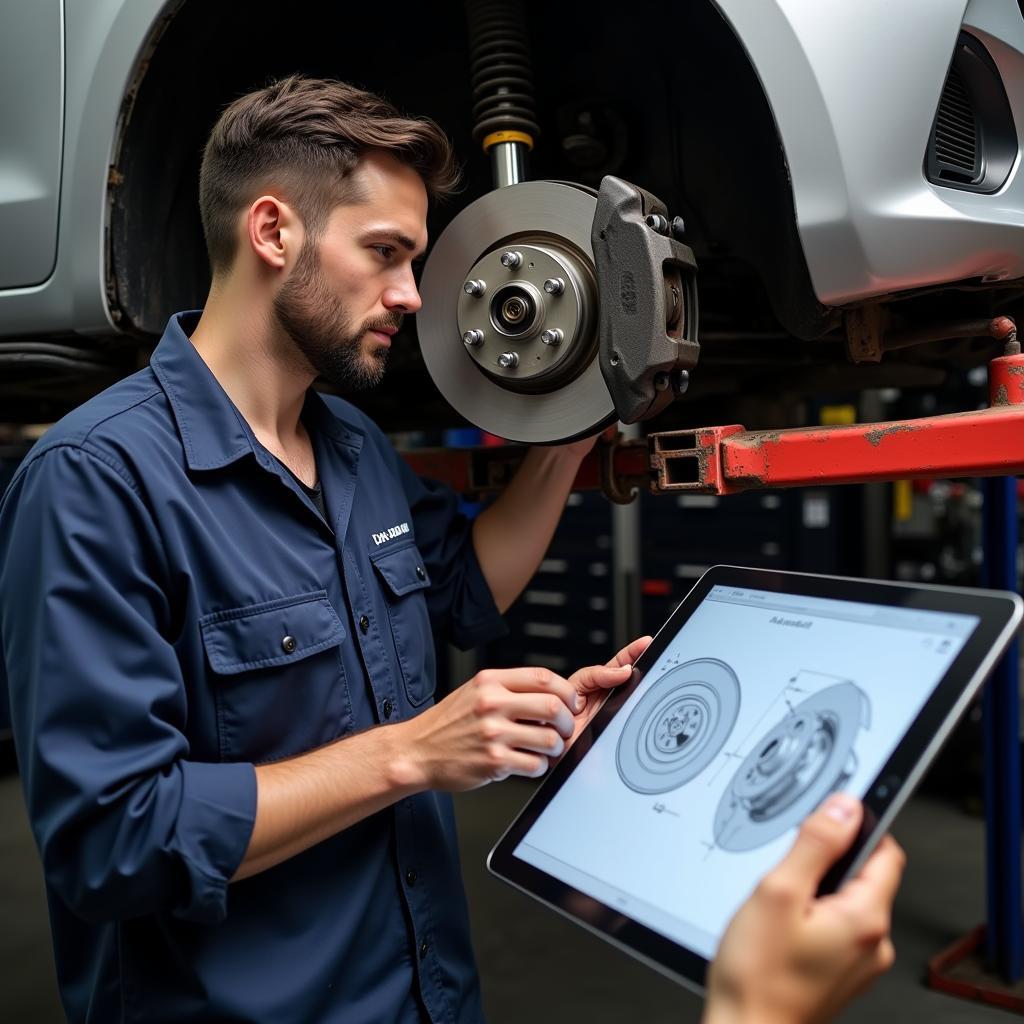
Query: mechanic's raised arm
{"points": [[511, 535], [789, 957]]}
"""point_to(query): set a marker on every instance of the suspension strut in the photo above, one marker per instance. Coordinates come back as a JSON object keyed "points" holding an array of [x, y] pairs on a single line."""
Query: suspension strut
{"points": [[505, 122], [550, 308]]}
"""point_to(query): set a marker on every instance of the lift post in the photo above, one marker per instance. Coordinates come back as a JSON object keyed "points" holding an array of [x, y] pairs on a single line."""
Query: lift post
{"points": [[1001, 726]]}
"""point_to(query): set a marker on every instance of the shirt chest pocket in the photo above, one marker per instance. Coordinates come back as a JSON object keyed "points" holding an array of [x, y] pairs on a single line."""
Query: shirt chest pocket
{"points": [[404, 580], [277, 676]]}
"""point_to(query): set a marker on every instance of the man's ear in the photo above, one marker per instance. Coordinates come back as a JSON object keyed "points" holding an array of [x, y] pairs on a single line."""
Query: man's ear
{"points": [[274, 232]]}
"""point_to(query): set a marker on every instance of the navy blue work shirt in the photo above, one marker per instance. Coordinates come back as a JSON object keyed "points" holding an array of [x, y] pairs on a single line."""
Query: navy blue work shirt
{"points": [[173, 609]]}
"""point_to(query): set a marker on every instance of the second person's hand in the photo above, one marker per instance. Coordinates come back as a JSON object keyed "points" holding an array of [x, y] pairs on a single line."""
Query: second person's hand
{"points": [[790, 956]]}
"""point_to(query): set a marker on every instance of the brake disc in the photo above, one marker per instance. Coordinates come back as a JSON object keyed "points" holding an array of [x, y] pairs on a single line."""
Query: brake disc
{"points": [[508, 327], [792, 768], [678, 726]]}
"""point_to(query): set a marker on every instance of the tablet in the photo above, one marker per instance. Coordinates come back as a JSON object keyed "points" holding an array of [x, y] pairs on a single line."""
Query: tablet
{"points": [[763, 693]]}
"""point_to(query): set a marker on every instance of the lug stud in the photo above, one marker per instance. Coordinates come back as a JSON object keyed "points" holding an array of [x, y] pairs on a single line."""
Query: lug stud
{"points": [[508, 360], [476, 288], [511, 259], [554, 286], [473, 338], [552, 336]]}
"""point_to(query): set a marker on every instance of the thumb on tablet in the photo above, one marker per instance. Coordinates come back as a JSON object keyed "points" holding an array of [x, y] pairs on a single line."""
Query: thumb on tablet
{"points": [[824, 837]]}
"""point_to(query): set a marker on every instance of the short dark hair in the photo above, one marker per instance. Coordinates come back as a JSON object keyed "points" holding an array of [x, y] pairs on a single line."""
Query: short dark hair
{"points": [[305, 136]]}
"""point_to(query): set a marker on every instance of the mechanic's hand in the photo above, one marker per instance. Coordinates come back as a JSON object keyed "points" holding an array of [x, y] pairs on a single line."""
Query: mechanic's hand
{"points": [[791, 958], [501, 722], [593, 682]]}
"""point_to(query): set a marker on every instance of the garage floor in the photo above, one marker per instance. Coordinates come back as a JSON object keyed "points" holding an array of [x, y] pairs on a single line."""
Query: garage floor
{"points": [[537, 967]]}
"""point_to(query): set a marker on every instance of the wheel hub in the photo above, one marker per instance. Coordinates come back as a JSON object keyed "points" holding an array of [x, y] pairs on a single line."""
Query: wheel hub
{"points": [[541, 308]]}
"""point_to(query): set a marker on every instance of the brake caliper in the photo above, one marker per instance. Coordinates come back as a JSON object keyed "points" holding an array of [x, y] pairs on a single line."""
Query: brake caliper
{"points": [[646, 280]]}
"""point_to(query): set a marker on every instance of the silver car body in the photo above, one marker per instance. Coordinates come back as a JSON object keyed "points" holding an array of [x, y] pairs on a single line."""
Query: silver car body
{"points": [[853, 88]]}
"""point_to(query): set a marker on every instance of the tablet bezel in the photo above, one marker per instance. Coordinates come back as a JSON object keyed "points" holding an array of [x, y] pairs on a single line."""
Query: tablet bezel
{"points": [[999, 614]]}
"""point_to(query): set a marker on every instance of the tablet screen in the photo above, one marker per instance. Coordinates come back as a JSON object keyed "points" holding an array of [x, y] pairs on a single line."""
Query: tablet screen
{"points": [[760, 706]]}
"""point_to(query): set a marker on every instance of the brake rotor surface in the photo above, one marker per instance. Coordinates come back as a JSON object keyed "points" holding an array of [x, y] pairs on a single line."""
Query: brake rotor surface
{"points": [[509, 381]]}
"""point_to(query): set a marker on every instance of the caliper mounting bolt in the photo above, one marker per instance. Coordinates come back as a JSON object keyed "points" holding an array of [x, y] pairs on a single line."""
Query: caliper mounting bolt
{"points": [[656, 222], [554, 286], [552, 336], [660, 381], [511, 259], [473, 338], [476, 288], [682, 382], [508, 360], [678, 228]]}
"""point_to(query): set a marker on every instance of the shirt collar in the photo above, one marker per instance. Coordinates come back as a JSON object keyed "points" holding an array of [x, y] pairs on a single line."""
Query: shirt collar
{"points": [[213, 432]]}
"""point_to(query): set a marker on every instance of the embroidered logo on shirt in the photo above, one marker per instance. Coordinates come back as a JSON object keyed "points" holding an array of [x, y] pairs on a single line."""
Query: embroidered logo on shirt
{"points": [[390, 534]]}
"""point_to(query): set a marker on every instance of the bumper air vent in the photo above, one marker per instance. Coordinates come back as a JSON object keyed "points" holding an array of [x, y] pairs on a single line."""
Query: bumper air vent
{"points": [[956, 133], [973, 143]]}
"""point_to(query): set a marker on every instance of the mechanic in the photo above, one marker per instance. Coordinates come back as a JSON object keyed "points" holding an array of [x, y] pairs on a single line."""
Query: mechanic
{"points": [[218, 597]]}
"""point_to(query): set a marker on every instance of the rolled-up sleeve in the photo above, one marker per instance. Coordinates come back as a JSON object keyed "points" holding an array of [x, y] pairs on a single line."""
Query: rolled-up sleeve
{"points": [[125, 822], [459, 600]]}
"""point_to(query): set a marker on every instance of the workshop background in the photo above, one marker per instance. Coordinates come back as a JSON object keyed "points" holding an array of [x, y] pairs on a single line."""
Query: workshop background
{"points": [[615, 570], [848, 179]]}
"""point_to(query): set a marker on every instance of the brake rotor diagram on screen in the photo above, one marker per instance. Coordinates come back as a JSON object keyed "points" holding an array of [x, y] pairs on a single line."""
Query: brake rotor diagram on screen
{"points": [[678, 726], [792, 767]]}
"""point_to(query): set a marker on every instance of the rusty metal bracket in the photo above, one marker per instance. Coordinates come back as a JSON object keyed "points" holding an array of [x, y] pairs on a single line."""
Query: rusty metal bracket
{"points": [[689, 460], [865, 330]]}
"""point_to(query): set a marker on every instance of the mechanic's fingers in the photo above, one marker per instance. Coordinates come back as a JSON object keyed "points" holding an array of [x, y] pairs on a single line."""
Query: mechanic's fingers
{"points": [[541, 680], [543, 708], [823, 838], [540, 739], [600, 677], [516, 762], [631, 652]]}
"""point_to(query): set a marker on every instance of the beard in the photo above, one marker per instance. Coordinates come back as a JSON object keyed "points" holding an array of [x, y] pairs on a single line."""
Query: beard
{"points": [[315, 319]]}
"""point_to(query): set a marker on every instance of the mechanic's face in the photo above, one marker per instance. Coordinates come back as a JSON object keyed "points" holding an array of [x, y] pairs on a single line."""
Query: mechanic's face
{"points": [[347, 294]]}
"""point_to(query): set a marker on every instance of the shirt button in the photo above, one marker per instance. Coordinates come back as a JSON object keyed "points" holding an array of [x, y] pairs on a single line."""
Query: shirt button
{"points": [[288, 644], [387, 708], [424, 949], [419, 572], [364, 624], [410, 877]]}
